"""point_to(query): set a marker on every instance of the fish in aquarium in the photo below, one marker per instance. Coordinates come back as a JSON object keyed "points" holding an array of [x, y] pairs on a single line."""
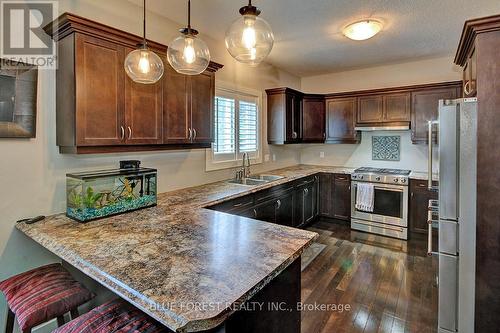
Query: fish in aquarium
{"points": [[94, 195]]}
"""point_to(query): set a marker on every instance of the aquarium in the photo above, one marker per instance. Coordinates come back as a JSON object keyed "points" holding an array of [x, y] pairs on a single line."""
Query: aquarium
{"points": [[94, 195]]}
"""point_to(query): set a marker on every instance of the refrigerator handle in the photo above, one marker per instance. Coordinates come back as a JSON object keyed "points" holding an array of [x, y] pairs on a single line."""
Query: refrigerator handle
{"points": [[432, 210], [430, 125]]}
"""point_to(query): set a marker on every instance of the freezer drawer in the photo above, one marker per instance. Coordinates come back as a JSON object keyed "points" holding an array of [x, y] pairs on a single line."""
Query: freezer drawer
{"points": [[448, 293], [448, 237]]}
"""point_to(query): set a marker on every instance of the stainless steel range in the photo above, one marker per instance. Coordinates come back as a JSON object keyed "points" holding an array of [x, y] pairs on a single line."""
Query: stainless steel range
{"points": [[389, 216]]}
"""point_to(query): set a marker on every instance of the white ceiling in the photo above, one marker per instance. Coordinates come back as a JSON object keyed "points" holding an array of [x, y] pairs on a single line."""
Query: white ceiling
{"points": [[308, 32]]}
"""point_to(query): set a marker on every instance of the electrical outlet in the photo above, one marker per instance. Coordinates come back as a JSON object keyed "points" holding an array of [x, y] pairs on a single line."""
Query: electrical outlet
{"points": [[274, 157], [266, 158], [321, 154]]}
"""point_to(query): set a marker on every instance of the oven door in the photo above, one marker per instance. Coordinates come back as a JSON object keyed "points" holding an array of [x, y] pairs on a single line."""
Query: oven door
{"points": [[390, 205]]}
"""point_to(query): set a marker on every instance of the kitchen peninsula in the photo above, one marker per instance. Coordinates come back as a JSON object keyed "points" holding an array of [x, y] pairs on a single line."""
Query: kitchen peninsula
{"points": [[186, 266]]}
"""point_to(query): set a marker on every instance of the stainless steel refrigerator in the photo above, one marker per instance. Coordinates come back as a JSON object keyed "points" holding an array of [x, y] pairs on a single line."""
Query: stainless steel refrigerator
{"points": [[453, 216]]}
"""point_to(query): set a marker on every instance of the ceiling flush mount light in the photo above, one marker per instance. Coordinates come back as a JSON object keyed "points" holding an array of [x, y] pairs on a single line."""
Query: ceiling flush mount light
{"points": [[143, 65], [249, 39], [188, 54], [362, 30]]}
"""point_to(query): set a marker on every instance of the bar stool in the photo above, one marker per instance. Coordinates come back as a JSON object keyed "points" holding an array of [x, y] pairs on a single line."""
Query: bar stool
{"points": [[42, 294], [115, 316]]}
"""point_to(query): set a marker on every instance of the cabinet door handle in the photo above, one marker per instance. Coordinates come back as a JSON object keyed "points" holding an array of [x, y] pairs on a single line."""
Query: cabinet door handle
{"points": [[190, 134], [294, 135], [306, 191], [129, 133], [466, 88], [122, 133], [255, 213], [324, 136], [194, 133], [278, 203]]}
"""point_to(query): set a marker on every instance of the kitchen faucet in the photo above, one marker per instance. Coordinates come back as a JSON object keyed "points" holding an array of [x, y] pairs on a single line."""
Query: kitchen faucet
{"points": [[244, 172]]}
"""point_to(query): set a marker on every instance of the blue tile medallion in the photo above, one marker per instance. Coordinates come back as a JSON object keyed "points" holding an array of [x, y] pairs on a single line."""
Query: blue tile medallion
{"points": [[386, 148]]}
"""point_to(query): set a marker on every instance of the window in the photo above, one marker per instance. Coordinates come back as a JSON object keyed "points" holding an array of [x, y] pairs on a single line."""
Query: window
{"points": [[237, 129]]}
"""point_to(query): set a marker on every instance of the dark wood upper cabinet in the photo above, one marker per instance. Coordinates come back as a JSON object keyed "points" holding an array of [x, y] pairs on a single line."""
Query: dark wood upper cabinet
{"points": [[383, 109], [370, 109], [176, 107], [188, 107], [143, 112], [425, 105], [397, 107], [99, 112], [341, 120], [409, 106], [284, 116], [201, 100], [313, 119], [100, 109]]}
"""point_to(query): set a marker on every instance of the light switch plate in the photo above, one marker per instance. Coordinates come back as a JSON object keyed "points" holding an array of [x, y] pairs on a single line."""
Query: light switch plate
{"points": [[321, 154], [274, 157], [266, 158]]}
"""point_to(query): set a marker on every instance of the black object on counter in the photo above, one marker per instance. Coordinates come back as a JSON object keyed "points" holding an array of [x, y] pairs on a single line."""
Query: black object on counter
{"points": [[32, 219], [131, 164]]}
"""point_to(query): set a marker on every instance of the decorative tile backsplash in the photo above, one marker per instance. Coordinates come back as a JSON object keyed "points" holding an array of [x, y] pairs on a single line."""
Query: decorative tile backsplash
{"points": [[386, 148]]}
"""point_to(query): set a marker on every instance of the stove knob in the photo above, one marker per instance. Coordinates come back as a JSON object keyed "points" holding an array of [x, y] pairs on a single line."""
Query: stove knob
{"points": [[377, 179], [360, 177], [354, 176], [403, 180], [396, 180]]}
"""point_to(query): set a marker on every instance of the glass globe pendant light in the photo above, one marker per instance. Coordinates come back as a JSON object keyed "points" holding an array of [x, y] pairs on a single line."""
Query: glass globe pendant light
{"points": [[143, 65], [249, 39], [188, 54]]}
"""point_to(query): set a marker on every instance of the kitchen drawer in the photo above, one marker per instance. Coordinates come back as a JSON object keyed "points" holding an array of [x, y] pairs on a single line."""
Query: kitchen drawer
{"points": [[272, 192], [235, 204]]}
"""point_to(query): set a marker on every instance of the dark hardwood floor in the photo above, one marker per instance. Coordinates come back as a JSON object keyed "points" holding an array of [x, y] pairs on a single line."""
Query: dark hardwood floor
{"points": [[389, 284]]}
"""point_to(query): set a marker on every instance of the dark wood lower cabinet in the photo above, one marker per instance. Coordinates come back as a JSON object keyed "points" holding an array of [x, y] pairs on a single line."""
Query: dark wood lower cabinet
{"points": [[279, 312], [294, 204], [335, 196], [306, 198], [341, 197], [419, 202]]}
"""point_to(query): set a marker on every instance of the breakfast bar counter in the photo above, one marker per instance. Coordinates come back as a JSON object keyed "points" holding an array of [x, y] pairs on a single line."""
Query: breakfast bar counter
{"points": [[186, 266]]}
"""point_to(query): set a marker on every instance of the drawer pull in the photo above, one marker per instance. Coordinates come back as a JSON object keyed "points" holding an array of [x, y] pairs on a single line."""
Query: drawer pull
{"points": [[278, 203], [241, 204]]}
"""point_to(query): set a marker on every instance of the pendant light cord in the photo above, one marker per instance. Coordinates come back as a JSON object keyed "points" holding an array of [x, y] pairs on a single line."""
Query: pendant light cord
{"points": [[144, 23], [189, 17]]}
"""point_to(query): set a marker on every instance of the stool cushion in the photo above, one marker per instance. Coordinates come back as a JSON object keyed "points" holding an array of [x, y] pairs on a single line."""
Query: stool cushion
{"points": [[42, 294], [116, 316]]}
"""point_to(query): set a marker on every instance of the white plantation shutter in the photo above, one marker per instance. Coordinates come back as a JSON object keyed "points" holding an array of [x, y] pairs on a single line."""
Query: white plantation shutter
{"points": [[247, 127], [224, 125], [236, 126]]}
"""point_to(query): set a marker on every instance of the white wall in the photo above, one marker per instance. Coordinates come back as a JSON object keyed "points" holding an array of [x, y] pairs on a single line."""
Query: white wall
{"points": [[32, 172], [394, 75], [413, 157]]}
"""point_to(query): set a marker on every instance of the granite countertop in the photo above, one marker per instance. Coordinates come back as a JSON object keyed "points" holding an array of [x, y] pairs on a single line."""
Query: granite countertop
{"points": [[423, 175], [167, 259]]}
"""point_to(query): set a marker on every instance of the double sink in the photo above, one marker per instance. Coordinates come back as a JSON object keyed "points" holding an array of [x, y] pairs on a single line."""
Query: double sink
{"points": [[255, 180]]}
